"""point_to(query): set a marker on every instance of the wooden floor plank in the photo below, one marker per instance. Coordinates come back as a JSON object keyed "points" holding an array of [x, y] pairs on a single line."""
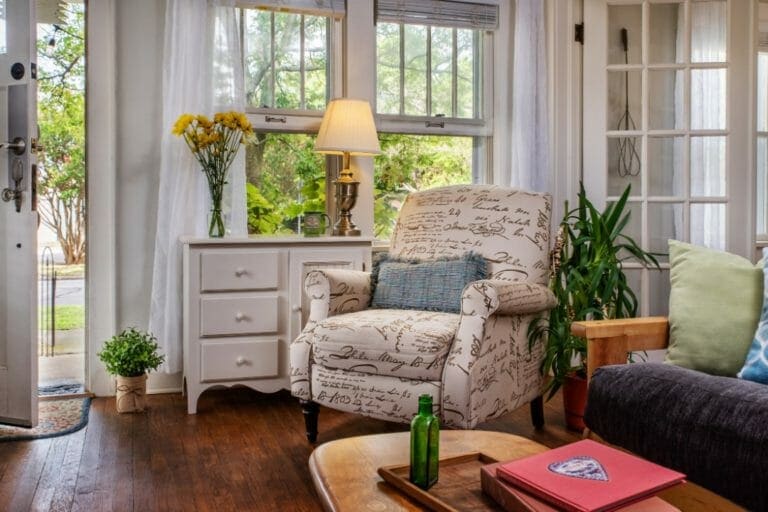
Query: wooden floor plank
{"points": [[65, 490], [86, 497], [243, 451], [29, 475], [49, 478]]}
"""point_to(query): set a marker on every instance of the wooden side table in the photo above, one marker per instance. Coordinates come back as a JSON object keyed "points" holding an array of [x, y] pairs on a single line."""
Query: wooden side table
{"points": [[344, 471]]}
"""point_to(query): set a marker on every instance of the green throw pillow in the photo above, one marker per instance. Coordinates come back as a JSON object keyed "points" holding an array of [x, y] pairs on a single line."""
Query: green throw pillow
{"points": [[714, 307]]}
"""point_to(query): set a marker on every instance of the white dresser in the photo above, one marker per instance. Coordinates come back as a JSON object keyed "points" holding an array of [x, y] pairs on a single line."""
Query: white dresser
{"points": [[244, 303]]}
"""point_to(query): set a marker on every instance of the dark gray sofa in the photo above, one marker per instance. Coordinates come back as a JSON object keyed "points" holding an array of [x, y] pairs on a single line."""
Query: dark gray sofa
{"points": [[713, 429]]}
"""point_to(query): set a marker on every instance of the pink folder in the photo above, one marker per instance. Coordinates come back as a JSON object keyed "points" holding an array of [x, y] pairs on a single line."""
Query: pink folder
{"points": [[588, 477]]}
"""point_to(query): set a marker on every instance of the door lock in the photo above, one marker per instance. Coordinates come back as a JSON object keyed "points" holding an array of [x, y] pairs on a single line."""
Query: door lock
{"points": [[17, 146], [14, 194]]}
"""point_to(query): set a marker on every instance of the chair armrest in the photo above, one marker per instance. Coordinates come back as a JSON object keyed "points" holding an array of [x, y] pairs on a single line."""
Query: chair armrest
{"points": [[482, 299], [523, 298], [335, 291], [495, 296], [609, 341]]}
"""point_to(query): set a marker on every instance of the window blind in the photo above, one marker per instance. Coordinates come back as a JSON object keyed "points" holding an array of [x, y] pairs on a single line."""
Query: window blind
{"points": [[332, 8], [444, 13]]}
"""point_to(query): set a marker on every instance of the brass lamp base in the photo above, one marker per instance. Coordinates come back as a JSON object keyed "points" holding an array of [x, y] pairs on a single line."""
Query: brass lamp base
{"points": [[345, 226], [346, 197]]}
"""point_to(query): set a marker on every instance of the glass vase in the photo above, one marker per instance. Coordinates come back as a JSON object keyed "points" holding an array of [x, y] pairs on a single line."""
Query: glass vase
{"points": [[216, 223], [216, 219]]}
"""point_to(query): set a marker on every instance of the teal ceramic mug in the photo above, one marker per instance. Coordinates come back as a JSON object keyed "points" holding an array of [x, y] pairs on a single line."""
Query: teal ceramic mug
{"points": [[315, 223]]}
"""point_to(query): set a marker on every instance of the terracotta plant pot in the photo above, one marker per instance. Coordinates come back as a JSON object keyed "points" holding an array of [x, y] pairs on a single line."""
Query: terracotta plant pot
{"points": [[130, 393], [574, 402]]}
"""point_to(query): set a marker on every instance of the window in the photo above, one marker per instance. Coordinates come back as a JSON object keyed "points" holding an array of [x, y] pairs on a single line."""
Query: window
{"points": [[762, 138], [285, 178], [428, 71], [289, 63], [432, 81], [286, 60]]}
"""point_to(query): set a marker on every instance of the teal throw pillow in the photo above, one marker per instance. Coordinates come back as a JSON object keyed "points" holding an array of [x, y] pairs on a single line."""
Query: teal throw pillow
{"points": [[430, 285], [714, 307], [756, 366]]}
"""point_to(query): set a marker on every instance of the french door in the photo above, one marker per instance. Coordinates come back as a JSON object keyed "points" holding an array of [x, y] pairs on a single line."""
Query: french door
{"points": [[666, 109], [18, 218]]}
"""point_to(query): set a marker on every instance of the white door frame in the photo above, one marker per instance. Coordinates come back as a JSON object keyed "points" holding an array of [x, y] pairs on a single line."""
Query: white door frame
{"points": [[101, 172]]}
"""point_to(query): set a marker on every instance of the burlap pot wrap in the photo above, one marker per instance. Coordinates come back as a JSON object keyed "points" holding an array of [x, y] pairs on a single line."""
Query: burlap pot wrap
{"points": [[130, 393]]}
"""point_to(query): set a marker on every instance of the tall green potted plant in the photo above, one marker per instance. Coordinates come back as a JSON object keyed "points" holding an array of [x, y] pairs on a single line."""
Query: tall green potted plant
{"points": [[589, 282], [129, 356]]}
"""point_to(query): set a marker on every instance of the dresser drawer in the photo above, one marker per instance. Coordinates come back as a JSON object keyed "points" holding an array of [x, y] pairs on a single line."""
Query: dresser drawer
{"points": [[222, 316], [238, 360], [239, 270]]}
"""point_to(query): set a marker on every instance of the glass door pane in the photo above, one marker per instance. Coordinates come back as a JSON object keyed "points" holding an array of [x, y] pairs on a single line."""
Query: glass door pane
{"points": [[666, 72]]}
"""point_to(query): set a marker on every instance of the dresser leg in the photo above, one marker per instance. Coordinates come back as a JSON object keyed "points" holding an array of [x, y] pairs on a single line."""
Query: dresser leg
{"points": [[311, 411], [537, 412]]}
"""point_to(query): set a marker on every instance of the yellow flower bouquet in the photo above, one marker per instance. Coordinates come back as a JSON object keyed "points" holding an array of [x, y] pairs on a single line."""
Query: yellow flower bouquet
{"points": [[215, 145]]}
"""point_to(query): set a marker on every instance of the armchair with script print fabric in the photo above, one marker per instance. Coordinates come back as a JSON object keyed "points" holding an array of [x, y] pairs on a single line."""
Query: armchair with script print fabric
{"points": [[475, 363]]}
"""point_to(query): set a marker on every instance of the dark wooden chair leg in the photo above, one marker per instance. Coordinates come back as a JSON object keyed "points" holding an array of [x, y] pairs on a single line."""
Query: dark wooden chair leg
{"points": [[311, 411], [537, 412]]}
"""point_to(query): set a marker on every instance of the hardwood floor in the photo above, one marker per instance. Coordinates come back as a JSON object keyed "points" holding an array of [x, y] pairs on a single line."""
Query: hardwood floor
{"points": [[243, 451]]}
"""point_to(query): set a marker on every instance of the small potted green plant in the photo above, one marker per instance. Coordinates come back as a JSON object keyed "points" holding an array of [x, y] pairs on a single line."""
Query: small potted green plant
{"points": [[129, 356], [589, 282]]}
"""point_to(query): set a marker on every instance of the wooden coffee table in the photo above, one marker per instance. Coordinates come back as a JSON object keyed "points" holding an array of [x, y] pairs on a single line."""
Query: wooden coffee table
{"points": [[344, 471]]}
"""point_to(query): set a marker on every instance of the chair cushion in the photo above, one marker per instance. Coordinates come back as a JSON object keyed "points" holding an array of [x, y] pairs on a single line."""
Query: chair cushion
{"points": [[432, 285], [714, 307], [397, 343]]}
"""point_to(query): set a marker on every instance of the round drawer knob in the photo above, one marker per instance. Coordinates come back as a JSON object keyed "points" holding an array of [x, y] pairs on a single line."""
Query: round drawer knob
{"points": [[240, 361], [239, 316], [240, 271], [296, 309]]}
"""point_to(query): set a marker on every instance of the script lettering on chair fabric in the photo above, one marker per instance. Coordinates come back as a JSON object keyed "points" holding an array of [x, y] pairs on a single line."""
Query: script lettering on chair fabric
{"points": [[510, 228], [390, 342], [331, 292], [385, 398]]}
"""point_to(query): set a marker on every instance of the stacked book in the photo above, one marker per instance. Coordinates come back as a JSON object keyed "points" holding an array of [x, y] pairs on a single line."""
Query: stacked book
{"points": [[580, 477]]}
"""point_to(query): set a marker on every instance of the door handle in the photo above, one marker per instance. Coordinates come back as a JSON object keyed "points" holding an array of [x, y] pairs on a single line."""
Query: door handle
{"points": [[17, 146]]}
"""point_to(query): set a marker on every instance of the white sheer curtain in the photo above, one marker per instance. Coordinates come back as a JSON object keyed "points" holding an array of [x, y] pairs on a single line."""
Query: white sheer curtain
{"points": [[530, 122], [202, 75], [708, 111]]}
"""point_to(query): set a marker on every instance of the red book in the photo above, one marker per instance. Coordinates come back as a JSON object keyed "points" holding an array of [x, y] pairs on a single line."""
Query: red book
{"points": [[512, 499], [588, 477]]}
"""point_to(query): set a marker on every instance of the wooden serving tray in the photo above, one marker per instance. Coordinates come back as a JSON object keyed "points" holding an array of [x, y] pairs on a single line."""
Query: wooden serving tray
{"points": [[457, 489]]}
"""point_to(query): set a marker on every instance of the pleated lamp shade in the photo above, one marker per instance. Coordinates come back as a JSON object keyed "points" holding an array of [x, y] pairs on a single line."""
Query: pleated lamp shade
{"points": [[348, 127]]}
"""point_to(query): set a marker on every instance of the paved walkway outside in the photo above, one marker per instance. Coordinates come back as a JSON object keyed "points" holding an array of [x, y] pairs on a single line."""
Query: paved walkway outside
{"points": [[54, 370], [69, 362]]}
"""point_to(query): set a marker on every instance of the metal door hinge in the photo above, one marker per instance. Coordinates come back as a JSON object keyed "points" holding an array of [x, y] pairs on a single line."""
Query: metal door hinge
{"points": [[579, 33]]}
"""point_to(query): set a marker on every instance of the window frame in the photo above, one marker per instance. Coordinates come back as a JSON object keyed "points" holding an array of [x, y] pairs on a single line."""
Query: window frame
{"points": [[269, 119], [481, 126]]}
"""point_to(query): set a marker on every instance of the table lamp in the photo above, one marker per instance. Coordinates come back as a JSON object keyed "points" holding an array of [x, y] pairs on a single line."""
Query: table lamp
{"points": [[347, 129]]}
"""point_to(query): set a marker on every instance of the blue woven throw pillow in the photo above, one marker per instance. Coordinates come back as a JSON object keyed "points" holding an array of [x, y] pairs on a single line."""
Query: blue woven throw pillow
{"points": [[756, 366], [433, 285]]}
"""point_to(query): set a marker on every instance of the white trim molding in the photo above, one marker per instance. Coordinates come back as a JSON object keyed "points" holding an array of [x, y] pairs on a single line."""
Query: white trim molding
{"points": [[101, 174]]}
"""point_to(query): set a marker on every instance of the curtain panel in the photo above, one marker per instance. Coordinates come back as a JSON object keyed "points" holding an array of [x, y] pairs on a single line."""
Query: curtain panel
{"points": [[203, 74], [530, 117]]}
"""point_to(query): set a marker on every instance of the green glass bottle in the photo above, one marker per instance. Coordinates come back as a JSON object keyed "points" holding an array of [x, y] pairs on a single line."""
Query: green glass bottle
{"points": [[425, 445]]}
